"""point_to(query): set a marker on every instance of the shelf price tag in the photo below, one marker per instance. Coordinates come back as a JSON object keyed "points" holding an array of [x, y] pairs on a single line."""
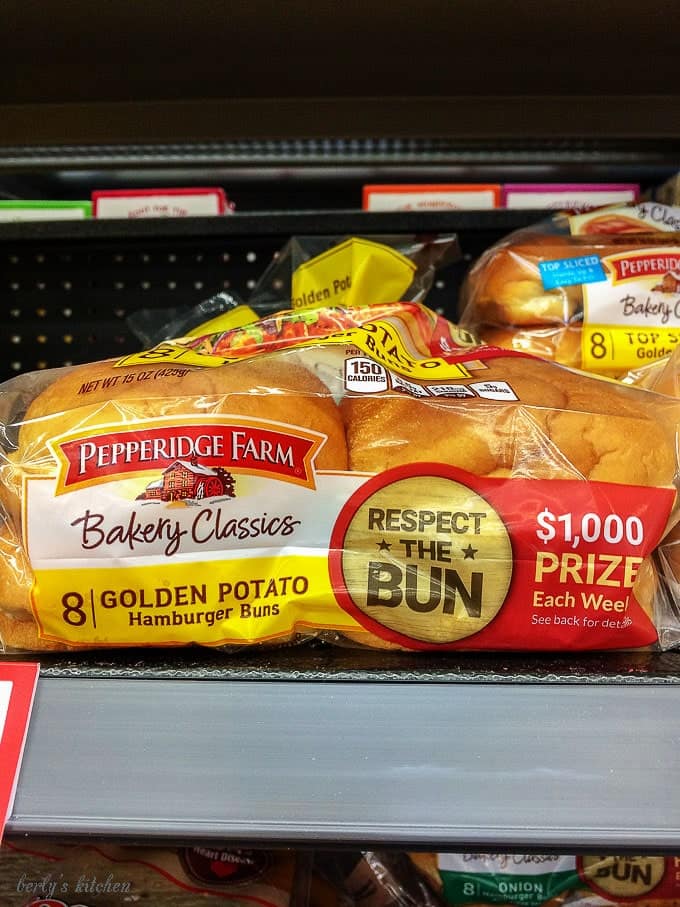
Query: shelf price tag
{"points": [[17, 688]]}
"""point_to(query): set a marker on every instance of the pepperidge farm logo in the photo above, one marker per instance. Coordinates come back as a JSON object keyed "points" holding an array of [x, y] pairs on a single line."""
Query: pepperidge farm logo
{"points": [[653, 263], [272, 449]]}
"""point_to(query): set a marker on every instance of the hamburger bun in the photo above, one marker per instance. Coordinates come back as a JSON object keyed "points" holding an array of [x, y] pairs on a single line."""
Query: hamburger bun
{"points": [[505, 286], [564, 425], [558, 343], [279, 388], [20, 634], [16, 576]]}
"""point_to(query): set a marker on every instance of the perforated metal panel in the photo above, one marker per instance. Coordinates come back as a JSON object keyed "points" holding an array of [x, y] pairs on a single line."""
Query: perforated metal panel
{"points": [[71, 303]]}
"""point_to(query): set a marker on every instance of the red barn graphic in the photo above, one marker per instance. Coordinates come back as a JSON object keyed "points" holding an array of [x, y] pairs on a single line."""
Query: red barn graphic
{"points": [[669, 284], [187, 479]]}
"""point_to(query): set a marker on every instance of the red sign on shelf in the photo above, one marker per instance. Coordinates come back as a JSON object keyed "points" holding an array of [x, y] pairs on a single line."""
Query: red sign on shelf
{"points": [[17, 688]]}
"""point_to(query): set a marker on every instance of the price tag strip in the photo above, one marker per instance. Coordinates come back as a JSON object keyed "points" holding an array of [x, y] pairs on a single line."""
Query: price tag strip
{"points": [[17, 689]]}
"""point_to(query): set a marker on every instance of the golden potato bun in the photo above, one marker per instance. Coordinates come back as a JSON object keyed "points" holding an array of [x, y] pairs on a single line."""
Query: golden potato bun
{"points": [[505, 285], [279, 388], [559, 343], [564, 424]]}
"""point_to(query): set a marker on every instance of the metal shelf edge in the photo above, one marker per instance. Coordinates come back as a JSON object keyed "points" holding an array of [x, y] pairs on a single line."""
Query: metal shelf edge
{"points": [[481, 765]]}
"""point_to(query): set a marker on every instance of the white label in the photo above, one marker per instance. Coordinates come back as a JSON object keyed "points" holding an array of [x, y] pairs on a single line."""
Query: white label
{"points": [[645, 217], [450, 390], [494, 390], [101, 525], [139, 206], [414, 389], [569, 199], [11, 215], [364, 376], [478, 200], [17, 688], [5, 693], [643, 290], [509, 864]]}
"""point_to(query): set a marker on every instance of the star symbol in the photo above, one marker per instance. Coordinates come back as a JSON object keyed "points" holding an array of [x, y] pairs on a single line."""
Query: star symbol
{"points": [[383, 545], [469, 552]]}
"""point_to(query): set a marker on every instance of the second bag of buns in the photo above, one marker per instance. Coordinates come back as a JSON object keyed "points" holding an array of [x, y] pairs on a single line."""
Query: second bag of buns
{"points": [[604, 303]]}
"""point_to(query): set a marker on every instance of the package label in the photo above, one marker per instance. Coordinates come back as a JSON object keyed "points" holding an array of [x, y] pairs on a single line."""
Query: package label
{"points": [[643, 218], [567, 272], [635, 316], [568, 196], [223, 531], [48, 874], [524, 879], [213, 532], [389, 342], [428, 556], [428, 197], [356, 272], [529, 880], [141, 203]]}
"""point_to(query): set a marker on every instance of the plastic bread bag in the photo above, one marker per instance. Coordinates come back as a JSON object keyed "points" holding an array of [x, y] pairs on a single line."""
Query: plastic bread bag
{"points": [[365, 475], [351, 271], [538, 880], [376, 879], [307, 272], [47, 874], [605, 302], [663, 377], [219, 312]]}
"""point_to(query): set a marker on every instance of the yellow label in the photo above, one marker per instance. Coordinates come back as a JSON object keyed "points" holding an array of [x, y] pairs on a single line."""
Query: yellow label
{"points": [[213, 603], [400, 569], [625, 876], [171, 351], [357, 272], [383, 343], [616, 348], [381, 340]]}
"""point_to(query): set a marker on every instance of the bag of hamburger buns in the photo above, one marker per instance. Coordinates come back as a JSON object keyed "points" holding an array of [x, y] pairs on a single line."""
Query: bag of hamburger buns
{"points": [[367, 475], [604, 297]]}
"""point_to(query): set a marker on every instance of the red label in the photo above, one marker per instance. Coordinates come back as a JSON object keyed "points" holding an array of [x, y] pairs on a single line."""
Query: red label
{"points": [[570, 550], [17, 688], [200, 449], [644, 266]]}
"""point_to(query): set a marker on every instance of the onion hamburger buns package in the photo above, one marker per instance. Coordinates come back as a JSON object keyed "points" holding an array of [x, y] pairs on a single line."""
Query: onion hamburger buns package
{"points": [[368, 476], [536, 880], [602, 302]]}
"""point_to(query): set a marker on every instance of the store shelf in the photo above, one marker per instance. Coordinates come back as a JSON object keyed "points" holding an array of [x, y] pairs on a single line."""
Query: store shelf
{"points": [[270, 223], [457, 761]]}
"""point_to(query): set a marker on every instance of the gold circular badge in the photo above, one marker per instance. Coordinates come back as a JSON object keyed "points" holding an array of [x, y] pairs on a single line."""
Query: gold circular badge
{"points": [[424, 558], [623, 877]]}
